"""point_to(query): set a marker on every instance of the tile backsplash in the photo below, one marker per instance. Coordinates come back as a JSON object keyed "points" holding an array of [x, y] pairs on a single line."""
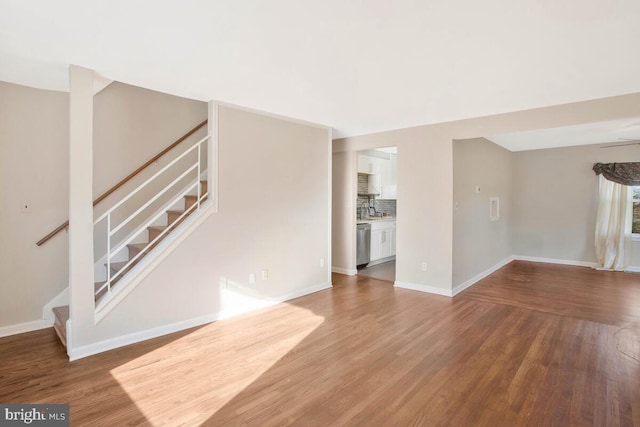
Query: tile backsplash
{"points": [[363, 183], [388, 206]]}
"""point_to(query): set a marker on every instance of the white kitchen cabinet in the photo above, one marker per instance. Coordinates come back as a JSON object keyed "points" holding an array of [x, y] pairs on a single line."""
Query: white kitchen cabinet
{"points": [[392, 234], [376, 246], [389, 181], [383, 240], [369, 165]]}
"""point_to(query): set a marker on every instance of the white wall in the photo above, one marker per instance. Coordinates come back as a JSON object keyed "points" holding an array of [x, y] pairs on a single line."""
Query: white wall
{"points": [[273, 180], [425, 176], [556, 203], [478, 242], [34, 160]]}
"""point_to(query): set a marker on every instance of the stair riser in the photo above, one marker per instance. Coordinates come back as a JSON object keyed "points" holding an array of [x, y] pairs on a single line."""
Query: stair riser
{"points": [[61, 315], [153, 234], [173, 217], [189, 201], [61, 331], [133, 252]]}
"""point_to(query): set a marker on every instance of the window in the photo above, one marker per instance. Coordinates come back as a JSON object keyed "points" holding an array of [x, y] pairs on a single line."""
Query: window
{"points": [[635, 228]]}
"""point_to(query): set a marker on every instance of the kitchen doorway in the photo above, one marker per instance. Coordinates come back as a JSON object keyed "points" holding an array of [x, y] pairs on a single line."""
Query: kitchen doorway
{"points": [[376, 213]]}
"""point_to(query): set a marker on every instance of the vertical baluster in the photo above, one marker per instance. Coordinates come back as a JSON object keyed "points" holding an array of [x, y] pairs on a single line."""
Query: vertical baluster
{"points": [[109, 252], [198, 178]]}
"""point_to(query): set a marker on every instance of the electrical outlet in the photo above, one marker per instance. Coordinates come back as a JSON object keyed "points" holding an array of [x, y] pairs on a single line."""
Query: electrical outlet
{"points": [[424, 266], [477, 188], [321, 262], [265, 274], [25, 207], [252, 279]]}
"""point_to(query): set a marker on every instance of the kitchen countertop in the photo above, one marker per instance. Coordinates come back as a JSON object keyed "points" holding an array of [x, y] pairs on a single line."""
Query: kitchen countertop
{"points": [[378, 219]]}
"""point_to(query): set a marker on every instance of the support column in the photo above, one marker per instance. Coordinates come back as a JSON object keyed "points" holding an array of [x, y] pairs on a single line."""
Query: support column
{"points": [[80, 206]]}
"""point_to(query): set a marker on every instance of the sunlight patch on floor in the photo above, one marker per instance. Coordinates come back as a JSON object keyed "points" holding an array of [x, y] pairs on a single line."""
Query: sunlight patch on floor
{"points": [[191, 378]]}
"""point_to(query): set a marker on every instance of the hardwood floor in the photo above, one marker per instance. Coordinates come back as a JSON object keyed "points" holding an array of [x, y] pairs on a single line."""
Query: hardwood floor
{"points": [[533, 344], [384, 271]]}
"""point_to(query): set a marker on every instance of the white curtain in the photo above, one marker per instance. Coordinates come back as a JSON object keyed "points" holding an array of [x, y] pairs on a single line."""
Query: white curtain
{"points": [[613, 224]]}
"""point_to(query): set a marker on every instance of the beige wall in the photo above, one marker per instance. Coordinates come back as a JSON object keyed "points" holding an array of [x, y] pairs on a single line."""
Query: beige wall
{"points": [[34, 159], [273, 214], [343, 226], [131, 125], [478, 242], [425, 176], [556, 203], [274, 193]]}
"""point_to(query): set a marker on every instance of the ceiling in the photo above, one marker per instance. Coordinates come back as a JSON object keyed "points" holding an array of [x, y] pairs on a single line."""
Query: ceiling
{"points": [[615, 131], [358, 66]]}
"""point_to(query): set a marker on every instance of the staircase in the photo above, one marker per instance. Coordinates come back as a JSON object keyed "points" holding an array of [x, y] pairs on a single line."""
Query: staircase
{"points": [[142, 241], [155, 233], [60, 325]]}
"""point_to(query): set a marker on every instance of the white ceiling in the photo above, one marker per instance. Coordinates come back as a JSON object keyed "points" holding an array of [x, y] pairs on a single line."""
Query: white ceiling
{"points": [[615, 131], [358, 66]]}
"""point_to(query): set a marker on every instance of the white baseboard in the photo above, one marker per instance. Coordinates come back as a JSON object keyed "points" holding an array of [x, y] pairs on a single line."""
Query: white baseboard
{"points": [[423, 288], [47, 317], [556, 261], [302, 292], [464, 285], [344, 271], [21, 328], [632, 270], [113, 343]]}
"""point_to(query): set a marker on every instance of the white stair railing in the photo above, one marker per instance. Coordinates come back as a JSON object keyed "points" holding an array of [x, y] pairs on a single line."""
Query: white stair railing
{"points": [[112, 229]]}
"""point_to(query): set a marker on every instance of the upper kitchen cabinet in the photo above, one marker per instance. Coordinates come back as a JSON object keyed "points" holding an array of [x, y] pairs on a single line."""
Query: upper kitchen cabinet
{"points": [[382, 169], [369, 165], [389, 178]]}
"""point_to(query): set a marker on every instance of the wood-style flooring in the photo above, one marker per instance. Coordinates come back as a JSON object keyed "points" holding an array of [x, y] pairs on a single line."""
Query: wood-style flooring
{"points": [[384, 271], [533, 344]]}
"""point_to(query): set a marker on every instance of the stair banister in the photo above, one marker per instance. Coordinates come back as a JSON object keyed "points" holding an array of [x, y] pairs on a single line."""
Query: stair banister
{"points": [[112, 230], [126, 179], [155, 175]]}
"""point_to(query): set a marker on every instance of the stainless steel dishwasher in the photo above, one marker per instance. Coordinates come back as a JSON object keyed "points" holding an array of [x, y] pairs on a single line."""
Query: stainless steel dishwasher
{"points": [[363, 244]]}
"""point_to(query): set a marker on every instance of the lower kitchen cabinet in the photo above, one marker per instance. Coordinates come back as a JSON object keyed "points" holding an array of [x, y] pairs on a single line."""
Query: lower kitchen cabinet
{"points": [[383, 240]]}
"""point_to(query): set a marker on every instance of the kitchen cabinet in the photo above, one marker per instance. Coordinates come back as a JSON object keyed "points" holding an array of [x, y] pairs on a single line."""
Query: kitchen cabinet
{"points": [[392, 238], [383, 174], [369, 165], [383, 240], [389, 178]]}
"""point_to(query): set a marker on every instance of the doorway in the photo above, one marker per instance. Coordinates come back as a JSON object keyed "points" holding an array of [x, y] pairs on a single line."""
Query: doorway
{"points": [[376, 213]]}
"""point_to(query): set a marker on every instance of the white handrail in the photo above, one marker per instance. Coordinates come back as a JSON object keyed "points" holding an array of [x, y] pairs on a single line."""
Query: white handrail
{"points": [[144, 184], [152, 220], [153, 199]]}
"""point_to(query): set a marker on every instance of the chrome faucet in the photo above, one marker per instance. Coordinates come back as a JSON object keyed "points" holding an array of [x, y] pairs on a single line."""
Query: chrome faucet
{"points": [[363, 210]]}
